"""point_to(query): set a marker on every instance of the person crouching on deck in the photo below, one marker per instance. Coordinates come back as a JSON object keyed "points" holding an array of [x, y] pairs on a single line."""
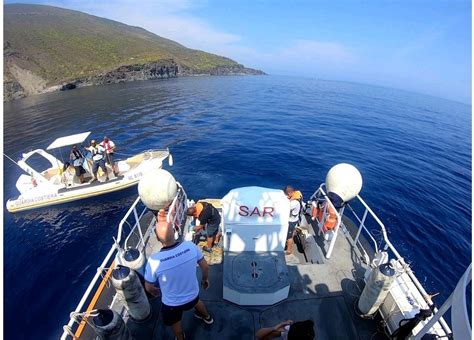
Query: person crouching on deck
{"points": [[295, 198], [173, 268], [209, 218]]}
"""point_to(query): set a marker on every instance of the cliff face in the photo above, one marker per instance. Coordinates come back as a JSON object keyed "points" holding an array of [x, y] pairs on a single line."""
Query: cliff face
{"points": [[48, 48]]}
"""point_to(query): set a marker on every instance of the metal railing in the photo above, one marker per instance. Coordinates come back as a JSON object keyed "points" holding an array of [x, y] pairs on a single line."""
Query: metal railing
{"points": [[385, 245], [459, 316], [176, 213], [319, 195], [107, 260]]}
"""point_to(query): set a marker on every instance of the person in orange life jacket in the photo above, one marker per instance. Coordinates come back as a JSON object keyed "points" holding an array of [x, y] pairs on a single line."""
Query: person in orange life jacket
{"points": [[209, 218], [97, 152], [109, 147], [171, 274], [295, 198], [77, 159]]}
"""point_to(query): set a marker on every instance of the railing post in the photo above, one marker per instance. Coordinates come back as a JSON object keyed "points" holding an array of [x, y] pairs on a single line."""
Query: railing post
{"points": [[360, 226], [137, 219]]}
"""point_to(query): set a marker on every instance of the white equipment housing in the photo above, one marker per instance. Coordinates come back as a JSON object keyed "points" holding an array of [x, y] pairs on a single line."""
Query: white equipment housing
{"points": [[255, 229]]}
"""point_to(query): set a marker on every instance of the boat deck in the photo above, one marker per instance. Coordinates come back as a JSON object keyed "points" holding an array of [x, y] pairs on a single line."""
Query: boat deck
{"points": [[324, 291]]}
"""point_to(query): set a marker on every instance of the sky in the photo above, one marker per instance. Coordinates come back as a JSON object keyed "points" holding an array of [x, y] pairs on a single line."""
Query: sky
{"points": [[416, 45]]}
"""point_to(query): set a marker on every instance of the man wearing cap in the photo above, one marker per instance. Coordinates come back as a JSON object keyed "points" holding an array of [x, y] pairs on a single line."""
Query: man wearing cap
{"points": [[210, 219], [109, 147], [171, 273], [97, 152], [77, 159]]}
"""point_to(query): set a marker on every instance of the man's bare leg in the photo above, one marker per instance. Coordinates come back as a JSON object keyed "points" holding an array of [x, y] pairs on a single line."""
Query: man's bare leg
{"points": [[210, 241], [201, 309], [289, 246], [178, 330]]}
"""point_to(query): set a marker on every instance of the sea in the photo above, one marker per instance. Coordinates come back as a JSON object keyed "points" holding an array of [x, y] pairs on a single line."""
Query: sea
{"points": [[413, 151]]}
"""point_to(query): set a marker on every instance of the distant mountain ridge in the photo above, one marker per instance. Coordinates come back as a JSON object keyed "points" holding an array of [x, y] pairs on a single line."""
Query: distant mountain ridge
{"points": [[49, 48]]}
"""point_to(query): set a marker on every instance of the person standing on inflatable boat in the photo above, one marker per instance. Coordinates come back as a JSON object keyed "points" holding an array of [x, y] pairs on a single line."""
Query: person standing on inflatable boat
{"points": [[296, 199], [209, 218], [109, 147], [97, 152]]}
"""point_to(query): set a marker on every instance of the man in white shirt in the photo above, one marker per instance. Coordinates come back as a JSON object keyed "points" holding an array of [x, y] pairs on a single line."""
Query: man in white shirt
{"points": [[173, 269], [109, 148], [295, 198]]}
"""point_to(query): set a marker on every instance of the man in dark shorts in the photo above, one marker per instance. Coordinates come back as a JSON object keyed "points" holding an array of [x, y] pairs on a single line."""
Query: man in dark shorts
{"points": [[77, 159], [209, 218], [109, 148], [97, 152], [173, 269]]}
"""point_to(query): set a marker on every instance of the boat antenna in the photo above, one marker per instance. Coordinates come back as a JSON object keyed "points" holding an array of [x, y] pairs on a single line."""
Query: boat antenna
{"points": [[8, 157]]}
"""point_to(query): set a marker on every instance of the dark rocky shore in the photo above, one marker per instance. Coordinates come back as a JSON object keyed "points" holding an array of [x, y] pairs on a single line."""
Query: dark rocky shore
{"points": [[162, 69]]}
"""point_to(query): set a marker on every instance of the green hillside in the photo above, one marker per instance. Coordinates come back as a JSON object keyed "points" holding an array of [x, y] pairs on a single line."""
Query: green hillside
{"points": [[57, 45]]}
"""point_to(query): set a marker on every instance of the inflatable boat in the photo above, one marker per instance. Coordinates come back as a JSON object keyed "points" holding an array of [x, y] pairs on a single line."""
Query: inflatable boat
{"points": [[40, 188]]}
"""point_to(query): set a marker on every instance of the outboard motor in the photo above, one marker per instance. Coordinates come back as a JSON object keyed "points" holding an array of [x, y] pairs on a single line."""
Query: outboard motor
{"points": [[376, 289], [109, 325], [133, 259], [128, 286]]}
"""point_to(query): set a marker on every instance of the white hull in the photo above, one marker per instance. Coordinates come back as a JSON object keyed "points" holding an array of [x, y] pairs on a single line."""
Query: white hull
{"points": [[57, 192]]}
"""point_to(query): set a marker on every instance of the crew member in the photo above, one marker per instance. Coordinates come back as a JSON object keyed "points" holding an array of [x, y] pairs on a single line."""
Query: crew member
{"points": [[209, 218], [109, 147], [288, 330], [173, 269], [77, 159], [97, 152], [296, 199]]}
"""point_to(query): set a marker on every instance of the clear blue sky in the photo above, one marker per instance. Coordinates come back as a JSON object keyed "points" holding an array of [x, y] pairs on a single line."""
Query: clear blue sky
{"points": [[421, 46]]}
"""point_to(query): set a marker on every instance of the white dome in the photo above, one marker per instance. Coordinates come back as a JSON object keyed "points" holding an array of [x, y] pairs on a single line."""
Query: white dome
{"points": [[157, 189], [344, 180]]}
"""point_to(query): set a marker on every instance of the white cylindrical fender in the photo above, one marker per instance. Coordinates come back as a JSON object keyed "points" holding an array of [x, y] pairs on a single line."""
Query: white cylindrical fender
{"points": [[109, 325], [344, 180], [128, 286], [157, 189], [376, 289]]}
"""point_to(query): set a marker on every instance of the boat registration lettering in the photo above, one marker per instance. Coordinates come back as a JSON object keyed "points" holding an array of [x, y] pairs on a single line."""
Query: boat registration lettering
{"points": [[35, 199], [135, 176], [246, 211]]}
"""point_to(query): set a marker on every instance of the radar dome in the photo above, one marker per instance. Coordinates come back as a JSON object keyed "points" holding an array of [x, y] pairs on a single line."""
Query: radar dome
{"points": [[344, 180], [157, 189]]}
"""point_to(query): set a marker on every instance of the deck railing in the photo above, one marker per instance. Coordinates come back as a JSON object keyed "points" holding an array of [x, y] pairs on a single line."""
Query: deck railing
{"points": [[385, 244], [132, 218]]}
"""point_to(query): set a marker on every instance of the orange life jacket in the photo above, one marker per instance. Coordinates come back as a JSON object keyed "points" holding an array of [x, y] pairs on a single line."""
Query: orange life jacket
{"points": [[296, 195], [331, 219], [199, 208]]}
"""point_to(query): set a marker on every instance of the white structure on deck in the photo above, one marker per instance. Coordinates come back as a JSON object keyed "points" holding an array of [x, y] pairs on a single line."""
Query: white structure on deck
{"points": [[255, 229]]}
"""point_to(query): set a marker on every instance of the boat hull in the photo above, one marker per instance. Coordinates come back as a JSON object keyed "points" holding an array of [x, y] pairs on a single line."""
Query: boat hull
{"points": [[56, 198]]}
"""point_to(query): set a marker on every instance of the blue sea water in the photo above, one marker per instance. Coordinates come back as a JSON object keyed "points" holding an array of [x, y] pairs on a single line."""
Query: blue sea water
{"points": [[414, 153]]}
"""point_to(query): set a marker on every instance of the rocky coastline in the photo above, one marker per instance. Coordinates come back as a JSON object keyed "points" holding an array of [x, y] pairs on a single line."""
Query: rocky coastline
{"points": [[161, 69]]}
